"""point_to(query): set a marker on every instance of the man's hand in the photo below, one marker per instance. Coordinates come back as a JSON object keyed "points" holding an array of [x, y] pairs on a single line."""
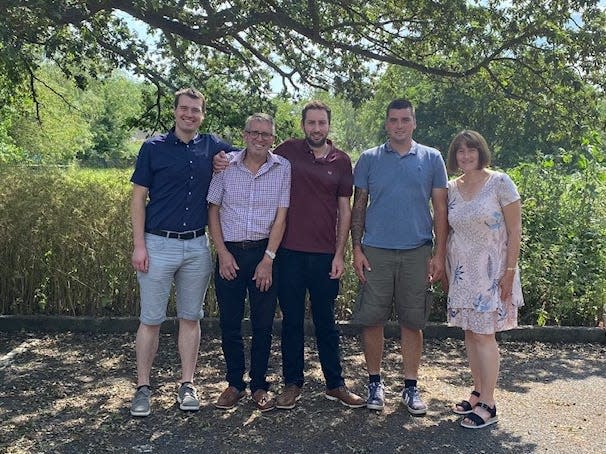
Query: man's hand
{"points": [[228, 268], [360, 263], [338, 267], [220, 161], [263, 273], [140, 259], [435, 271]]}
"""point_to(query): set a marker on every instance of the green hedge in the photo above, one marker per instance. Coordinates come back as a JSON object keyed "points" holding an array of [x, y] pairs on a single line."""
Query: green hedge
{"points": [[65, 243]]}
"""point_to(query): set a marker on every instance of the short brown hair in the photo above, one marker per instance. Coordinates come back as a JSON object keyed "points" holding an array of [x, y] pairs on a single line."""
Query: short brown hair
{"points": [[192, 93], [399, 104], [471, 139], [315, 105]]}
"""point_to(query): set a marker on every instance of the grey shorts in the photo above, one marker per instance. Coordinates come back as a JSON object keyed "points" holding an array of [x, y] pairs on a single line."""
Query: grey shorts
{"points": [[397, 279], [187, 263]]}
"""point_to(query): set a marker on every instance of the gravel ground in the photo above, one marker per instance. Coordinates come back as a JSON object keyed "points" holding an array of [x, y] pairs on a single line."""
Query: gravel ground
{"points": [[70, 392]]}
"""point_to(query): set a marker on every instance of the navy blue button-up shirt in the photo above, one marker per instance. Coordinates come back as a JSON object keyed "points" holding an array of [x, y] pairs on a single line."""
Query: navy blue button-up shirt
{"points": [[177, 175]]}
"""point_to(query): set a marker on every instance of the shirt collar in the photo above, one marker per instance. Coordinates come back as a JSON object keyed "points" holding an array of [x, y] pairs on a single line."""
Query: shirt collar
{"points": [[413, 148], [173, 137], [330, 147], [238, 159]]}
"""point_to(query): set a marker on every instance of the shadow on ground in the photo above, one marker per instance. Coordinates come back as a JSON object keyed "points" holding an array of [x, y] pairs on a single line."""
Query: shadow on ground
{"points": [[69, 393]]}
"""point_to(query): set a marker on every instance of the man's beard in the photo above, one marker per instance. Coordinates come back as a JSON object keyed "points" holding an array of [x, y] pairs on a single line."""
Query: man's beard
{"points": [[316, 143]]}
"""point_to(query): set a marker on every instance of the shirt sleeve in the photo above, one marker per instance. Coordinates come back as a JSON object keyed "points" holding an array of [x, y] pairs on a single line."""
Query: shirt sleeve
{"points": [[346, 180], [440, 176], [142, 174], [360, 176], [506, 190], [285, 190], [222, 145], [215, 190]]}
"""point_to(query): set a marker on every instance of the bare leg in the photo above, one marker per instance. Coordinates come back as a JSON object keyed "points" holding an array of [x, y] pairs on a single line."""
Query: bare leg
{"points": [[411, 344], [189, 343], [474, 361], [372, 343], [146, 346], [487, 364], [488, 367]]}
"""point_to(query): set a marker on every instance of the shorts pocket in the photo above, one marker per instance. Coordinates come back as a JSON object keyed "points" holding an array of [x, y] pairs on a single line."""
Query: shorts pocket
{"points": [[155, 242]]}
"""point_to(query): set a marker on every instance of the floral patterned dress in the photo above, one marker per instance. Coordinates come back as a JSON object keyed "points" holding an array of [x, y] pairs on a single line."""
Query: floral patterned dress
{"points": [[476, 258]]}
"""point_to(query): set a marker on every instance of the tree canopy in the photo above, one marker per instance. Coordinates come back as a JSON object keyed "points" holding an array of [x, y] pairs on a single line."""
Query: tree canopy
{"points": [[521, 45]]}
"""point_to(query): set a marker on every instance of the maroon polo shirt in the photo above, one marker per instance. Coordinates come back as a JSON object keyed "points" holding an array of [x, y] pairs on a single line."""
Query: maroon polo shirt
{"points": [[315, 187]]}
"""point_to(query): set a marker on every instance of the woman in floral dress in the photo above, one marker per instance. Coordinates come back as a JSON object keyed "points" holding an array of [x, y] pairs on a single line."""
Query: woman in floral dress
{"points": [[484, 291]]}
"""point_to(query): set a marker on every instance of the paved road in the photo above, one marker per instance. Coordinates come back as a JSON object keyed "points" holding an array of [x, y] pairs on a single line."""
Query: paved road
{"points": [[69, 393]]}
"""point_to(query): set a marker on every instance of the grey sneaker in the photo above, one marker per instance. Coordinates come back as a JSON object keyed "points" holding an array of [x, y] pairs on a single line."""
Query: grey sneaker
{"points": [[140, 404], [376, 396], [413, 402], [188, 397]]}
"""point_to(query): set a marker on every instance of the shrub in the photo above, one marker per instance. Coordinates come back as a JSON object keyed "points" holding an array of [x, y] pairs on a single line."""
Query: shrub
{"points": [[65, 243], [564, 238]]}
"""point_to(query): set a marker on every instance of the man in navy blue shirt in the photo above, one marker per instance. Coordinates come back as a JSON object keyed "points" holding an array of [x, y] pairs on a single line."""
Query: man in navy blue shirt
{"points": [[169, 216]]}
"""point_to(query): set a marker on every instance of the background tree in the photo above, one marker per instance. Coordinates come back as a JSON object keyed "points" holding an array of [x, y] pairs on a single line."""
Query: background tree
{"points": [[111, 107], [520, 46], [51, 126]]}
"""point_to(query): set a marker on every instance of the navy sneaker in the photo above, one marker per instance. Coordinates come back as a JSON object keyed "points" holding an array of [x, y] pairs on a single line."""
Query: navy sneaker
{"points": [[376, 396], [413, 402]]}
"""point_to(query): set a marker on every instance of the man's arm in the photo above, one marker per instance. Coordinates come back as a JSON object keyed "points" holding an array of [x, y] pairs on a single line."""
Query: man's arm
{"points": [[228, 268], [263, 272], [139, 259], [343, 225], [358, 219], [439, 203]]}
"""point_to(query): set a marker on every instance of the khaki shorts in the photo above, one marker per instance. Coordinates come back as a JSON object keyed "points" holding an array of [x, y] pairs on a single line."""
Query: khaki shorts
{"points": [[397, 279]]}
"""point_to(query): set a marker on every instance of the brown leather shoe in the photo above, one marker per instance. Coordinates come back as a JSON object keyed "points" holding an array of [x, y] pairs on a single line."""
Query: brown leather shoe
{"points": [[345, 396], [229, 398], [289, 397], [264, 400]]}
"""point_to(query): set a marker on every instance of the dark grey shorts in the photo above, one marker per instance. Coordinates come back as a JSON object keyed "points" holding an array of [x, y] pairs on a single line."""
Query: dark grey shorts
{"points": [[397, 278]]}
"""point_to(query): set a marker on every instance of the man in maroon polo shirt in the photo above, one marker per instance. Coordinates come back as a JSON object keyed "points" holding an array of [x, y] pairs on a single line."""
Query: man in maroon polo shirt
{"points": [[311, 256]]}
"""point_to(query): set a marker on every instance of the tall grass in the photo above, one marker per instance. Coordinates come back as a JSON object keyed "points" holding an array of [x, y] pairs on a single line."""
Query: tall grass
{"points": [[65, 242]]}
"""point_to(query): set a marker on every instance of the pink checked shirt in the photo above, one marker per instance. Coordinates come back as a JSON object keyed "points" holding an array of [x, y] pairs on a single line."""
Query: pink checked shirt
{"points": [[248, 203]]}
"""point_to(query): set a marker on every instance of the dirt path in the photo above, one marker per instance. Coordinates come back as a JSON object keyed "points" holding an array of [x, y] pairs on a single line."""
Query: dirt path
{"points": [[69, 393]]}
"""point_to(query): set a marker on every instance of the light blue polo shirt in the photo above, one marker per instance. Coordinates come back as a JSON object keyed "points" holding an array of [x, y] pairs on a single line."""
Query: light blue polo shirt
{"points": [[399, 190]]}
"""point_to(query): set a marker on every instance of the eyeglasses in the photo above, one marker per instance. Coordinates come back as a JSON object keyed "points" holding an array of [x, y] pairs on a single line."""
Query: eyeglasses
{"points": [[256, 134]]}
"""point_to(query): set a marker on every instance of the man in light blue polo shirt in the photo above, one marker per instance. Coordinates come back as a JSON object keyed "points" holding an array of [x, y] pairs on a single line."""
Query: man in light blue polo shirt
{"points": [[393, 235]]}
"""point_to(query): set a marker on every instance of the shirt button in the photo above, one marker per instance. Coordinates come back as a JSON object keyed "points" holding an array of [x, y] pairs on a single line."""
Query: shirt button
{"points": [[184, 224], [191, 162], [191, 178], [186, 208]]}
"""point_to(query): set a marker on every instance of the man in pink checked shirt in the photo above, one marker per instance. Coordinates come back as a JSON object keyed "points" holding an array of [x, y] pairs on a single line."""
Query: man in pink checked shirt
{"points": [[247, 209]]}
